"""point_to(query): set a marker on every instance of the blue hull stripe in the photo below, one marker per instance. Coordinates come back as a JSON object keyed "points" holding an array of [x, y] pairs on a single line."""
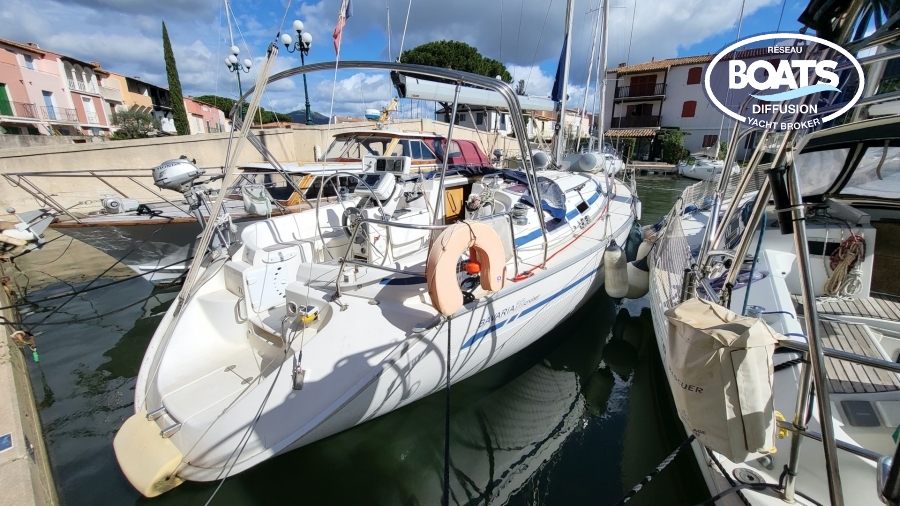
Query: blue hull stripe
{"points": [[480, 334], [413, 280]]}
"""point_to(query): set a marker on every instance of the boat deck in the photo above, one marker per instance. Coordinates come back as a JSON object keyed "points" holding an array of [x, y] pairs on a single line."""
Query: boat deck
{"points": [[845, 377], [879, 306]]}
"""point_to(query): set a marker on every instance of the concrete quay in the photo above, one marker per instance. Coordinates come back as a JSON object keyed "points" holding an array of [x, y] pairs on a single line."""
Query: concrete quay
{"points": [[25, 475]]}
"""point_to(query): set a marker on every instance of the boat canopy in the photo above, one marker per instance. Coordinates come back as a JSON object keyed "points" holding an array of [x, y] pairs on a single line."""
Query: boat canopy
{"points": [[859, 161]]}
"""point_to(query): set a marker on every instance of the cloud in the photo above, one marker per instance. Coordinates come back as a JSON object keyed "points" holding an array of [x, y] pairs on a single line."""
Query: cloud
{"points": [[125, 37]]}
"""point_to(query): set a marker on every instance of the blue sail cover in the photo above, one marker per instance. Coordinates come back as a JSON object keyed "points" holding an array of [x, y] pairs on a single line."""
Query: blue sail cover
{"points": [[553, 200], [556, 94]]}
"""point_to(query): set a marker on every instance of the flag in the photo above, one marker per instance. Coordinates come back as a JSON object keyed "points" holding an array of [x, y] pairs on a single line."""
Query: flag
{"points": [[343, 15], [556, 94]]}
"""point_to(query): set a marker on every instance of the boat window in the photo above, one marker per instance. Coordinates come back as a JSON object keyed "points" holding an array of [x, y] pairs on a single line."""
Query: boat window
{"points": [[819, 169], [438, 145], [356, 147], [874, 178]]}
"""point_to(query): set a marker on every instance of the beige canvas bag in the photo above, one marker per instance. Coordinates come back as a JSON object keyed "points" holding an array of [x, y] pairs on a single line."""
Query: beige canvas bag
{"points": [[721, 374]]}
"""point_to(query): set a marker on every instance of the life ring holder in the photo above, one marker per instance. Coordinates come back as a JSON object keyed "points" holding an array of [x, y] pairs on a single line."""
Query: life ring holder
{"points": [[453, 241]]}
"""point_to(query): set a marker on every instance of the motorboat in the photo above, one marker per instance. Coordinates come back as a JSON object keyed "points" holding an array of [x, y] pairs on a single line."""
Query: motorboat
{"points": [[155, 231], [801, 250], [703, 168], [318, 321]]}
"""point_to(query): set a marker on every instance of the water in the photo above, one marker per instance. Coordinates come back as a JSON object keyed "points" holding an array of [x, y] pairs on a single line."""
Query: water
{"points": [[577, 418]]}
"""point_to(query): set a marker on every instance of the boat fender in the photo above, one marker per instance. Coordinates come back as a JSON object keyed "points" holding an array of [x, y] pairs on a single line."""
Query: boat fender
{"points": [[615, 272], [638, 278], [440, 269], [632, 244]]}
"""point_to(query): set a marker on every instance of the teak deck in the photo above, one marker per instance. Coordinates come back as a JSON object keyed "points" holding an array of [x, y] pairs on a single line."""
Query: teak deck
{"points": [[879, 306], [845, 377]]}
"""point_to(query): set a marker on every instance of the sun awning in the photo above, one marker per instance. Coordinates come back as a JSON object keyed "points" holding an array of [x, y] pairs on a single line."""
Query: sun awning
{"points": [[632, 132]]}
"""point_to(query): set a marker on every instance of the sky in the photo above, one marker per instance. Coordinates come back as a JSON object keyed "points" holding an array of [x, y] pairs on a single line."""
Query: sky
{"points": [[526, 35]]}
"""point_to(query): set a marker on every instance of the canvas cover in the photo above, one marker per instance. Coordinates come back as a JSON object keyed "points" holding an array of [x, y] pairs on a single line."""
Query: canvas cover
{"points": [[721, 374]]}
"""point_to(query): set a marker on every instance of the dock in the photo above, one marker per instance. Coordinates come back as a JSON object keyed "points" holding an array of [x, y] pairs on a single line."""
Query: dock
{"points": [[653, 169], [25, 475]]}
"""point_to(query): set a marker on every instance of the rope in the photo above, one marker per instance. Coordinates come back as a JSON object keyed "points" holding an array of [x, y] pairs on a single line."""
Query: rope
{"points": [[788, 364], [848, 256], [445, 500], [662, 465]]}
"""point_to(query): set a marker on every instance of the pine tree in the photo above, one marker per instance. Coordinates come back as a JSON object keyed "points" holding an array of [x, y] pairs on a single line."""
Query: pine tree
{"points": [[178, 110]]}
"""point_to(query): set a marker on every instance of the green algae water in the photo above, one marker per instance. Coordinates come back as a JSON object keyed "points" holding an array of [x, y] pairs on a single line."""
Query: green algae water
{"points": [[577, 418]]}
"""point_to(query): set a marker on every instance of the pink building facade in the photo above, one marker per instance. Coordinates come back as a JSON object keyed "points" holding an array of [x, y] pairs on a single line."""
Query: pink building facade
{"points": [[42, 92], [204, 118]]}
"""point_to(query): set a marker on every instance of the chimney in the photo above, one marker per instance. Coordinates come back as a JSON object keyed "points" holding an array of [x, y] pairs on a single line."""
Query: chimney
{"points": [[34, 45], [95, 64], [622, 64], [652, 58]]}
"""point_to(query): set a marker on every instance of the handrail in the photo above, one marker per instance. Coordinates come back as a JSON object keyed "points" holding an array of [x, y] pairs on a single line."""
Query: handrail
{"points": [[843, 355]]}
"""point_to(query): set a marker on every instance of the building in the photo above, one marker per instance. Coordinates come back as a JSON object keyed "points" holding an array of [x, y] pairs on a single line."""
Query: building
{"points": [[486, 119], [204, 118], [662, 94], [34, 98], [91, 108]]}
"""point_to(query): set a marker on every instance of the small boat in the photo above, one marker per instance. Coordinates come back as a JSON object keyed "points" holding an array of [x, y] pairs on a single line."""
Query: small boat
{"points": [[157, 239], [794, 262], [346, 312], [703, 168]]}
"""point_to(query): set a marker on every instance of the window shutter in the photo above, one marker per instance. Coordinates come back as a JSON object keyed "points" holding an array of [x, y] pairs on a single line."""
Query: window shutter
{"points": [[688, 109]]}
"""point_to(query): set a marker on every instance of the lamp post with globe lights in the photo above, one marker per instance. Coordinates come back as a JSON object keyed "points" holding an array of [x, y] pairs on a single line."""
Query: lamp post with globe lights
{"points": [[304, 40], [236, 66]]}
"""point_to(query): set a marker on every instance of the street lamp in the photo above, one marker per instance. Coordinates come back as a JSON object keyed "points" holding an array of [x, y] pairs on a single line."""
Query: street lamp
{"points": [[236, 66], [304, 40]]}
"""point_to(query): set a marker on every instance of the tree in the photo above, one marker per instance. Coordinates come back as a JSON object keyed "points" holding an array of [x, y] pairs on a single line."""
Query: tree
{"points": [[134, 124], [457, 56], [520, 87], [226, 104], [178, 110], [723, 150], [672, 146]]}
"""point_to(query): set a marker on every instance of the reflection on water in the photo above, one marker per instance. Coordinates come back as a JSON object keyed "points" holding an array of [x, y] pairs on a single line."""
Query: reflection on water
{"points": [[577, 418]]}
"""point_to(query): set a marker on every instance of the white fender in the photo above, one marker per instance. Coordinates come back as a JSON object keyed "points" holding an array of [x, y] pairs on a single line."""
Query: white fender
{"points": [[440, 270], [615, 273], [638, 278]]}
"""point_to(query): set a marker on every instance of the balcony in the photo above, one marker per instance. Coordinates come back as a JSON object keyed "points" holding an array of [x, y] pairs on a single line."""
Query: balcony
{"points": [[59, 114], [111, 94], [82, 86], [18, 109], [641, 90], [635, 122]]}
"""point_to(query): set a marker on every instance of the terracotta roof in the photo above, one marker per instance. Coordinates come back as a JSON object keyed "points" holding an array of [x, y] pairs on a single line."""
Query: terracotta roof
{"points": [[652, 66], [25, 47], [657, 65], [632, 132]]}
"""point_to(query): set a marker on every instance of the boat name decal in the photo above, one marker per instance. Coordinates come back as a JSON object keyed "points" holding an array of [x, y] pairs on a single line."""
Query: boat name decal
{"points": [[507, 311], [781, 70]]}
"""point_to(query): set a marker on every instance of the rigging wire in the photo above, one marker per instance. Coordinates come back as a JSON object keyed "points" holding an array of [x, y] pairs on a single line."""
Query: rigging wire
{"points": [[405, 25], [518, 34], [783, 3], [501, 31], [631, 36], [538, 46], [388, 8]]}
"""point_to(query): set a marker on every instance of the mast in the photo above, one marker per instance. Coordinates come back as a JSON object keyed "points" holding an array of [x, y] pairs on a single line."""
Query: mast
{"points": [[587, 84], [228, 17], [601, 74], [559, 139]]}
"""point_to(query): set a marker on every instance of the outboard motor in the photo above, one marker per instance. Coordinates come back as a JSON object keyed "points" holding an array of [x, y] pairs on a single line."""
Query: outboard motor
{"points": [[176, 175]]}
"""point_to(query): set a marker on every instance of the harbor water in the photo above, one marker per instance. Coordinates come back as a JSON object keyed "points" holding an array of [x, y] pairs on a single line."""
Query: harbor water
{"points": [[579, 417]]}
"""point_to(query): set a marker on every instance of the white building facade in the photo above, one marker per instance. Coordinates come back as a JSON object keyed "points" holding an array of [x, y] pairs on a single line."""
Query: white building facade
{"points": [[659, 94]]}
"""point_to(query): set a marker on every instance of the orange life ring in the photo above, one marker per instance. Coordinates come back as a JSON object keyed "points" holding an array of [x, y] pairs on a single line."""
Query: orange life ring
{"points": [[440, 270]]}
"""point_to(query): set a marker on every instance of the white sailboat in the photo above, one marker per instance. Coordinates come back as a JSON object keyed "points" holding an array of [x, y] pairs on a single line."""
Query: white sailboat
{"points": [[822, 224], [319, 321]]}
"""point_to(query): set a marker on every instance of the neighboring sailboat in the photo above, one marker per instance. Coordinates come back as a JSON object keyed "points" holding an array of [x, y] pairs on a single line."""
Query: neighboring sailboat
{"points": [[825, 298], [322, 320]]}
